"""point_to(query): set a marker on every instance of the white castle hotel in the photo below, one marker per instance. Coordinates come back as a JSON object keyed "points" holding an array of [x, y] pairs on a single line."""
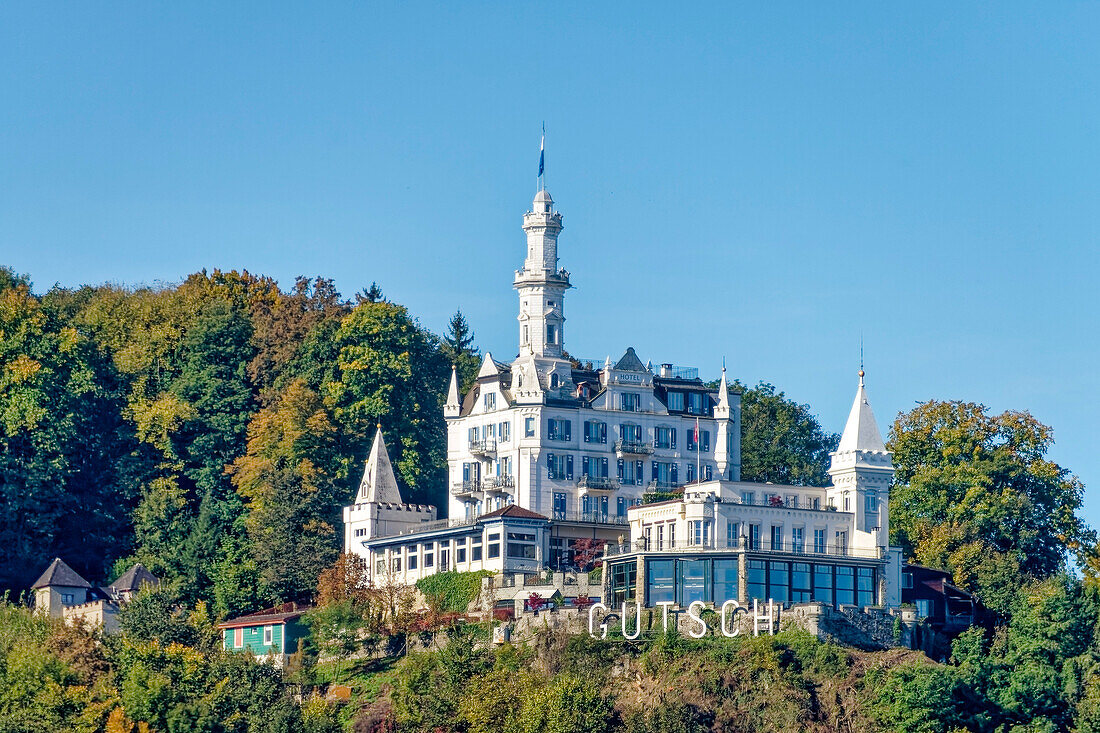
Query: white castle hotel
{"points": [[543, 451]]}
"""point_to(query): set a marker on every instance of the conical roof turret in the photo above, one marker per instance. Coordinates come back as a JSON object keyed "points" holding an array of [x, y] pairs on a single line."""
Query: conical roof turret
{"points": [[379, 484], [453, 406], [861, 432]]}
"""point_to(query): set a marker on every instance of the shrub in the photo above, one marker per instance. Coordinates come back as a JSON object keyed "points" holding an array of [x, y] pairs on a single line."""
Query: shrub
{"points": [[451, 591]]}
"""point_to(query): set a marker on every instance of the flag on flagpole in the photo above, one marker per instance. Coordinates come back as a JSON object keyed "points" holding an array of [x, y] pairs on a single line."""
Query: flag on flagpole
{"points": [[696, 433], [542, 151]]}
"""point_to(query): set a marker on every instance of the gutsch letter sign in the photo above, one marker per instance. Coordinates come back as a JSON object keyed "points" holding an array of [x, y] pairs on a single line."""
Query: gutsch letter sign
{"points": [[764, 619]]}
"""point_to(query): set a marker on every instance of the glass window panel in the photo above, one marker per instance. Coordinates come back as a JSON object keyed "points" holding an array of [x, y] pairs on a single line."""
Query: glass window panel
{"points": [[823, 584], [865, 586], [800, 582], [757, 580], [779, 581], [725, 581], [693, 581], [845, 585], [661, 584]]}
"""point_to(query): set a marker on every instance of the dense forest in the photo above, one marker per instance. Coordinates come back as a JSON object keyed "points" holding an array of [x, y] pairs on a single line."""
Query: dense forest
{"points": [[212, 430]]}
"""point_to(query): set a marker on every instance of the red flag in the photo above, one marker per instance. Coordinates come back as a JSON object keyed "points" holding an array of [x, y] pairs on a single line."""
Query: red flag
{"points": [[696, 433]]}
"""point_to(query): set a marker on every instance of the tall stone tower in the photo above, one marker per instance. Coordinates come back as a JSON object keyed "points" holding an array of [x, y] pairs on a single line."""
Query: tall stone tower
{"points": [[541, 284], [862, 471]]}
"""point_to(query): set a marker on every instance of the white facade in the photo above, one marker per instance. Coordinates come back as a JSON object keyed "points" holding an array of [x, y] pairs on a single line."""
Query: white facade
{"points": [[566, 450], [579, 443], [509, 540], [378, 509], [797, 528]]}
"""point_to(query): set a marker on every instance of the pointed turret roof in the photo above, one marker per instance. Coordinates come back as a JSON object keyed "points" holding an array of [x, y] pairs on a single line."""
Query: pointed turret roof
{"points": [[60, 574], [134, 578], [454, 403], [379, 483], [630, 362], [861, 431], [723, 392]]}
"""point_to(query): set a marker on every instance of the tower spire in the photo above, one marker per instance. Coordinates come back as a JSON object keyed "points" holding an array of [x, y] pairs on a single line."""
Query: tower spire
{"points": [[454, 404]]}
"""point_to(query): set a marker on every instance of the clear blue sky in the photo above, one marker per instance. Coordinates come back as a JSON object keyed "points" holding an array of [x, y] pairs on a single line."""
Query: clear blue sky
{"points": [[752, 182]]}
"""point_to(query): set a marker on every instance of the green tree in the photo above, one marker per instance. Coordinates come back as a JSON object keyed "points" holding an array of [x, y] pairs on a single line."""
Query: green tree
{"points": [[568, 705], [282, 321], [392, 372], [459, 350], [781, 440], [293, 503], [976, 495], [64, 447], [917, 697]]}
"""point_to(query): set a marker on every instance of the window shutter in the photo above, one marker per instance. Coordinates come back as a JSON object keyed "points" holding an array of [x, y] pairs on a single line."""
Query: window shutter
{"points": [[655, 464], [620, 469], [465, 471], [550, 465], [706, 440], [568, 429], [569, 467], [675, 478], [587, 430], [603, 432], [673, 431], [603, 468], [639, 474]]}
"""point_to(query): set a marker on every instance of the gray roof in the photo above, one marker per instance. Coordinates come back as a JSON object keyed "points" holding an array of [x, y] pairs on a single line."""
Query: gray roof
{"points": [[630, 362], [60, 574], [134, 578]]}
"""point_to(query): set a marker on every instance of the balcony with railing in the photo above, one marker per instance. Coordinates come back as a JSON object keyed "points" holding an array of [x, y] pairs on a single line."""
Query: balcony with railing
{"points": [[469, 488], [633, 448], [498, 484], [597, 483], [484, 447], [590, 518]]}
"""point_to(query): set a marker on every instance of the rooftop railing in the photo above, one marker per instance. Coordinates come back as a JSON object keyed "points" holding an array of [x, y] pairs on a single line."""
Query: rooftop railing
{"points": [[786, 548]]}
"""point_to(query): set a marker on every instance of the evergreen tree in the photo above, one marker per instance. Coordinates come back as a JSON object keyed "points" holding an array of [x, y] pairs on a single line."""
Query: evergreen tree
{"points": [[293, 503], [458, 348]]}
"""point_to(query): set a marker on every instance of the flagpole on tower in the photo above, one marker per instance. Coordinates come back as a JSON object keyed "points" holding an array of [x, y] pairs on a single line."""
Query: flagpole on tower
{"points": [[540, 181]]}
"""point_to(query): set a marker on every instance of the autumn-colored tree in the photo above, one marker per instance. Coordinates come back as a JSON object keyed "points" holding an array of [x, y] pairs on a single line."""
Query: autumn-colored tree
{"points": [[976, 495], [293, 503]]}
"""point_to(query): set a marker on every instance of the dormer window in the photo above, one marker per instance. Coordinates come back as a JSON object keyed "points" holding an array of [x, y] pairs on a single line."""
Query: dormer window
{"points": [[553, 381], [629, 402], [490, 400], [676, 401]]}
